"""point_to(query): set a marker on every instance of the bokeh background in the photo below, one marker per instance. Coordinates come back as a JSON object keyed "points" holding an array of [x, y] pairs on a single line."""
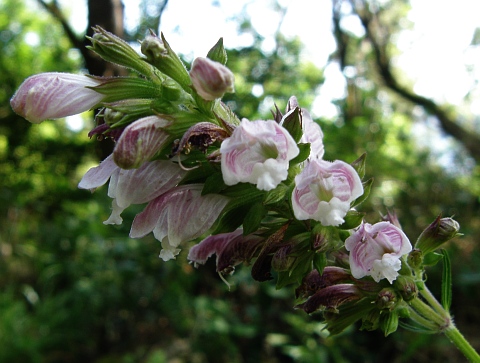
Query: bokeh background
{"points": [[395, 79]]}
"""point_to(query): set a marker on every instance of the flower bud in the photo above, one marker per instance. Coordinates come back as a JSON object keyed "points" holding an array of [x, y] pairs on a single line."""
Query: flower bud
{"points": [[437, 233], [415, 259], [140, 141], [161, 55], [386, 299], [115, 50], [281, 260], [211, 79], [54, 95], [407, 287]]}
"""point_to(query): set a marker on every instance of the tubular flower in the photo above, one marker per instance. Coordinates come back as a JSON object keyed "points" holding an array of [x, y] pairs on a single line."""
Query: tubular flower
{"points": [[140, 141], [258, 152], [231, 249], [211, 79], [324, 190], [180, 215], [134, 186], [375, 250], [54, 95]]}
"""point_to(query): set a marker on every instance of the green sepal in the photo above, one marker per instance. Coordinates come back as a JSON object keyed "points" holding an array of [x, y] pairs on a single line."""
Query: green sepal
{"points": [[348, 314], [121, 88], [367, 186], [389, 322], [446, 281], [218, 53], [432, 258], [303, 154], [276, 195], [352, 219], [253, 219], [359, 165]]}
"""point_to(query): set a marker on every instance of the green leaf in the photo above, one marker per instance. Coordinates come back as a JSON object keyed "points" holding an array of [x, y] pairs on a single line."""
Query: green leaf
{"points": [[446, 281], [367, 186], [319, 261], [432, 258], [277, 194], [359, 165], [253, 219], [213, 184], [352, 219], [303, 155]]}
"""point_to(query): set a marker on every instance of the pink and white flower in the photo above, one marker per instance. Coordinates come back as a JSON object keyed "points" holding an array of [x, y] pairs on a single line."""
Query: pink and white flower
{"points": [[258, 152], [324, 190], [140, 141], [179, 215], [375, 250], [55, 95], [134, 186]]}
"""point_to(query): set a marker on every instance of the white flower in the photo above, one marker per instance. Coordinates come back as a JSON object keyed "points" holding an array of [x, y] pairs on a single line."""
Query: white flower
{"points": [[324, 190], [375, 250], [258, 152], [54, 95]]}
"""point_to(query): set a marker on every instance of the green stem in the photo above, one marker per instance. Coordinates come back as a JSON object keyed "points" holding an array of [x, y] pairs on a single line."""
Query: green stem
{"points": [[427, 312], [461, 343]]}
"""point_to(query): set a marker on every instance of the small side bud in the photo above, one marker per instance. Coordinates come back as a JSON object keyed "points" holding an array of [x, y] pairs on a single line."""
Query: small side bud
{"points": [[211, 79], [437, 233], [387, 299], [407, 287]]}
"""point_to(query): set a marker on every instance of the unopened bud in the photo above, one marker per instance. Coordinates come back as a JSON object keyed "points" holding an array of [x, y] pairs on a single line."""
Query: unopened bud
{"points": [[281, 260], [140, 141], [386, 299], [113, 49], [161, 55], [437, 233], [211, 79], [407, 287]]}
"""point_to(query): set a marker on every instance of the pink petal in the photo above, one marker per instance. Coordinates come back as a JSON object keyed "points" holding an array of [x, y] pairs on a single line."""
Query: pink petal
{"points": [[98, 175]]}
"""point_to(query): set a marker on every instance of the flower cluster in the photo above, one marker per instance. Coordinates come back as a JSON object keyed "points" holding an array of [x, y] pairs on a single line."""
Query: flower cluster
{"points": [[247, 191]]}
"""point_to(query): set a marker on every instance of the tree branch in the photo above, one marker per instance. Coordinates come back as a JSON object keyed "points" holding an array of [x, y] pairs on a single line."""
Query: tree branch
{"points": [[371, 24]]}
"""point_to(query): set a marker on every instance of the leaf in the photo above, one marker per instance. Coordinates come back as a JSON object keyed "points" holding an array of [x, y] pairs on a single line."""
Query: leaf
{"points": [[303, 155], [253, 219], [359, 165], [367, 186], [432, 258], [277, 194], [352, 219], [446, 281], [319, 261]]}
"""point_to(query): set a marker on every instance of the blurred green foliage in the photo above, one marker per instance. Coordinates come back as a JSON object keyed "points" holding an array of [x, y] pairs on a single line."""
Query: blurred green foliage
{"points": [[74, 290]]}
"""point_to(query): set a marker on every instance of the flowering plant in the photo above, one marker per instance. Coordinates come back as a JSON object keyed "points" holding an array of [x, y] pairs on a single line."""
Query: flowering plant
{"points": [[256, 192]]}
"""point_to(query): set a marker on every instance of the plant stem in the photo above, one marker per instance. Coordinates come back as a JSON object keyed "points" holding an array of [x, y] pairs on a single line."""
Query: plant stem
{"points": [[461, 343]]}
